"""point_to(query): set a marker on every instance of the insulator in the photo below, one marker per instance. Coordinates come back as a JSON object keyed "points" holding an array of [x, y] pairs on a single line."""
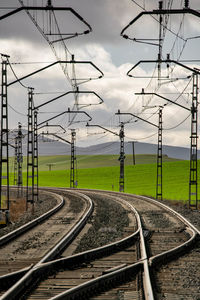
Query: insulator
{"points": [[186, 3], [49, 3], [160, 4]]}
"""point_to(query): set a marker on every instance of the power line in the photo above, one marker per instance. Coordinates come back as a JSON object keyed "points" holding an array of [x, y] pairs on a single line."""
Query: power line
{"points": [[178, 123]]}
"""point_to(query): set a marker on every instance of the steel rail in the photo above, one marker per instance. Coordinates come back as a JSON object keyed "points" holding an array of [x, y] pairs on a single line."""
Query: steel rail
{"points": [[172, 211], [74, 259], [17, 232], [148, 290], [85, 288], [170, 253], [194, 233], [28, 278], [94, 253], [183, 219], [111, 276], [149, 262], [121, 271], [99, 282], [14, 276]]}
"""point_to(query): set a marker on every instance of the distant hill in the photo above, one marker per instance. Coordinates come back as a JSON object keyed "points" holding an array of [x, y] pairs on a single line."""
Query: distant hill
{"points": [[140, 148], [53, 147]]}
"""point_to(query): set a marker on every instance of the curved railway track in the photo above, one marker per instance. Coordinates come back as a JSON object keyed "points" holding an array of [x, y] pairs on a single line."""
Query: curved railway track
{"points": [[156, 246], [28, 246]]}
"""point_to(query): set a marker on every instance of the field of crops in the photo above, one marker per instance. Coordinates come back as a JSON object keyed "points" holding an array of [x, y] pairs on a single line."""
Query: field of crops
{"points": [[102, 172]]}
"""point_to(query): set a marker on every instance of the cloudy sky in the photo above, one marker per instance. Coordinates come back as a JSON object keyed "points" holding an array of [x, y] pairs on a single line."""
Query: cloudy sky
{"points": [[114, 56]]}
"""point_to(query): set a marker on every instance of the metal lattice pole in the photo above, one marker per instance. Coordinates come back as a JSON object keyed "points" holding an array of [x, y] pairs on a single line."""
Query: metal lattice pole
{"points": [[121, 159], [193, 183], [73, 182], [35, 159], [30, 146], [4, 157], [15, 163], [19, 161], [159, 158]]}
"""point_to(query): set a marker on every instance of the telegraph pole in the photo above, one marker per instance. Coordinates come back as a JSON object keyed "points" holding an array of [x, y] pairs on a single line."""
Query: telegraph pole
{"points": [[72, 175], [133, 151]]}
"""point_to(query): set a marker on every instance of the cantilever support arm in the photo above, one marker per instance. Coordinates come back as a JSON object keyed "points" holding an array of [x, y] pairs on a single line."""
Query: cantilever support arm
{"points": [[48, 8], [59, 137], [161, 12], [58, 62], [95, 125], [67, 93], [123, 113], [164, 98], [163, 61], [56, 125], [65, 112]]}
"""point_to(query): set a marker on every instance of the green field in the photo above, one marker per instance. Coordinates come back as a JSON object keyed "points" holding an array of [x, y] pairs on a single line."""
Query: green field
{"points": [[62, 162], [102, 172]]}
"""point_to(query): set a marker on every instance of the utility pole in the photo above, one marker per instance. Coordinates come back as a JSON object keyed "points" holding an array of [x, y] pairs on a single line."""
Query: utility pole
{"points": [[15, 163], [72, 143], [133, 151], [193, 180], [19, 161], [72, 175], [73, 179], [159, 159], [32, 144], [121, 158], [160, 41], [18, 177], [35, 157], [193, 183], [4, 157], [30, 152]]}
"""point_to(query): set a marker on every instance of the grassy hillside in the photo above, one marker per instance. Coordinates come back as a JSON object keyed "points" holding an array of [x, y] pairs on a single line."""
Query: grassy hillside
{"points": [[139, 179], [96, 161], [62, 162], [102, 172]]}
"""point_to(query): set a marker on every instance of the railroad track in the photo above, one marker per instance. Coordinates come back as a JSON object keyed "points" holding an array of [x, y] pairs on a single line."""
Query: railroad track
{"points": [[28, 246], [131, 268]]}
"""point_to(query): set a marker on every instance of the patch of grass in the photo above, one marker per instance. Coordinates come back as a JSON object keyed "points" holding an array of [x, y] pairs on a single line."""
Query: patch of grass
{"points": [[139, 179], [102, 172], [62, 162]]}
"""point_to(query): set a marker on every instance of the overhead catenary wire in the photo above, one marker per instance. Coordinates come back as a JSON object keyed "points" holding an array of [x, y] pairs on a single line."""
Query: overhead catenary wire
{"points": [[143, 8], [176, 126], [17, 78], [177, 36]]}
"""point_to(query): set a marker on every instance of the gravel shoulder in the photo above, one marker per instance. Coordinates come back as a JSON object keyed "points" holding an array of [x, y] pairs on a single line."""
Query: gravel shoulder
{"points": [[44, 204], [191, 215]]}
